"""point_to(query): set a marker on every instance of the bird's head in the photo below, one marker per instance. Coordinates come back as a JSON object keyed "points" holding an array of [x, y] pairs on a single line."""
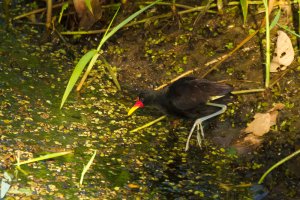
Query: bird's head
{"points": [[145, 98]]}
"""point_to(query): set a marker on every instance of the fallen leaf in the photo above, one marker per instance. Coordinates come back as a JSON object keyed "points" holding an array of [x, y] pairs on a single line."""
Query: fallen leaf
{"points": [[263, 121], [283, 54], [260, 125], [273, 117], [257, 128], [274, 113], [252, 139], [277, 106]]}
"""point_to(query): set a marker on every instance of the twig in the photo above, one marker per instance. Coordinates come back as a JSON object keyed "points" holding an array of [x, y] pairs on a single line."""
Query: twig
{"points": [[230, 53], [170, 4], [175, 79], [281, 76], [49, 14], [148, 124], [247, 91], [56, 6], [36, 11], [170, 14], [222, 58]]}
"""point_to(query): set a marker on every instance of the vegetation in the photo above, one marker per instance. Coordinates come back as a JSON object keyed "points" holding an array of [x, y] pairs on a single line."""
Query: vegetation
{"points": [[91, 56], [116, 157]]}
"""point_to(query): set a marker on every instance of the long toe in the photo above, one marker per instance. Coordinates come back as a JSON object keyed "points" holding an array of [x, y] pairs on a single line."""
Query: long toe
{"points": [[199, 136], [200, 133], [189, 137]]}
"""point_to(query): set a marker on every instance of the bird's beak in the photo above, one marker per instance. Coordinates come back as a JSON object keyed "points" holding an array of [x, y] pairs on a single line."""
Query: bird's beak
{"points": [[138, 104]]}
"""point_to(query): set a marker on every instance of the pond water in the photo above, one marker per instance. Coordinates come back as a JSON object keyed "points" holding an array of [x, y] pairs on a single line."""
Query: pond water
{"points": [[148, 164]]}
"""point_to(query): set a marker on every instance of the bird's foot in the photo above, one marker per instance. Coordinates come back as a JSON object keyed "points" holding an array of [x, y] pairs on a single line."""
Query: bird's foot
{"points": [[198, 124], [200, 133]]}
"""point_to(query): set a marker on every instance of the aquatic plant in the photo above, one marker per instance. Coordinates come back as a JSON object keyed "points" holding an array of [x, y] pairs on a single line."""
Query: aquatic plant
{"points": [[92, 55], [261, 180], [268, 44]]}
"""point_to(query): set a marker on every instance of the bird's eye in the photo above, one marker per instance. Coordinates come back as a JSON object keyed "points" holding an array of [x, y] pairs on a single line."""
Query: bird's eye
{"points": [[142, 99]]}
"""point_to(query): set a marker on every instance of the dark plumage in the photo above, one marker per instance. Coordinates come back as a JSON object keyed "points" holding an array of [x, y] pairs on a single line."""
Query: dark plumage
{"points": [[185, 98]]}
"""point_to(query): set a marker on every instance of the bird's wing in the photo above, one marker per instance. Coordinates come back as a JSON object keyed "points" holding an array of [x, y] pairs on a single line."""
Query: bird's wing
{"points": [[189, 93]]}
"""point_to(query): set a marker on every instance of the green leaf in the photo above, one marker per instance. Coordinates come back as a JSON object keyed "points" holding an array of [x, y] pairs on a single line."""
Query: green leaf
{"points": [[275, 20], [63, 8], [45, 157], [94, 55], [89, 5], [87, 166], [244, 5], [289, 30], [76, 73], [123, 23]]}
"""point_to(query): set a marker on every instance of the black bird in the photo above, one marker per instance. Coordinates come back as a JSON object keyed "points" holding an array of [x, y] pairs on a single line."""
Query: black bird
{"points": [[188, 97]]}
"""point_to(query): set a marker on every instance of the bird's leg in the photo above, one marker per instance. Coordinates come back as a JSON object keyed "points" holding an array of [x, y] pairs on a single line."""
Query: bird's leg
{"points": [[198, 124]]}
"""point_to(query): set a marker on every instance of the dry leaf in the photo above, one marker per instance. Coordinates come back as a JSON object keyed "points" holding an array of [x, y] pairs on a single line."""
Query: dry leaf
{"points": [[277, 106], [252, 139], [260, 125], [247, 144], [284, 53], [257, 128], [274, 112], [273, 117], [263, 121]]}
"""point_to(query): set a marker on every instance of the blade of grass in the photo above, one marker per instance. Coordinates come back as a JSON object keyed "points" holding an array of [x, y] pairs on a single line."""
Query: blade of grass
{"points": [[289, 30], [45, 157], [123, 23], [268, 45], [93, 55], [277, 164], [87, 166], [220, 6], [91, 64], [76, 73], [244, 5], [89, 68], [108, 28], [21, 170], [275, 20], [63, 8], [298, 2], [112, 32], [148, 124], [89, 5]]}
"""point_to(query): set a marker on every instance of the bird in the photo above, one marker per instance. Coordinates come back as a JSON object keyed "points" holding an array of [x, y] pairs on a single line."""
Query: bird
{"points": [[188, 97]]}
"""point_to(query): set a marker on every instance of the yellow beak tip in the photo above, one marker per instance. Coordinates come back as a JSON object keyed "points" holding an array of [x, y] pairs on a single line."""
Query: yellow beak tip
{"points": [[134, 108]]}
